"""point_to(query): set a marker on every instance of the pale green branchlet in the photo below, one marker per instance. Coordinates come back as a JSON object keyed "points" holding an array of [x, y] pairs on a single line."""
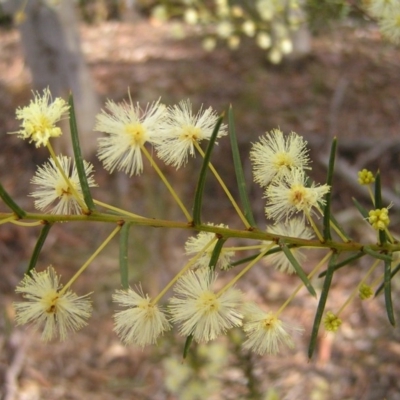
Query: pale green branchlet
{"points": [[280, 165]]}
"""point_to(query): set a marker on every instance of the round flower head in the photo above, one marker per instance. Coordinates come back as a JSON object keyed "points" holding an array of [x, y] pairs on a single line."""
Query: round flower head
{"points": [[194, 244], [58, 312], [142, 322], [200, 311], [293, 228], [273, 156], [182, 129], [332, 322], [379, 218], [128, 128], [290, 195], [52, 187], [40, 117], [265, 332]]}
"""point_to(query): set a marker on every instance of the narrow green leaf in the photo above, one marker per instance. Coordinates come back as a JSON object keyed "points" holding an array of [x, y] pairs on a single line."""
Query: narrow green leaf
{"points": [[328, 196], [302, 275], [379, 205], [382, 285], [198, 198], [80, 167], [38, 248], [252, 257], [363, 211], [188, 342], [20, 213], [248, 213], [123, 255], [336, 223], [216, 252], [378, 190], [388, 292], [344, 263], [375, 254], [321, 304]]}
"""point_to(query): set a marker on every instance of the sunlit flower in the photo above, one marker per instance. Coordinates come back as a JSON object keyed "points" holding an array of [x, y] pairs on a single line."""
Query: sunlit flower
{"points": [[332, 322], [263, 40], [200, 311], [289, 195], [266, 9], [182, 129], [295, 228], [196, 243], [389, 23], [209, 43], [58, 313], [40, 117], [266, 332], [274, 155], [142, 322], [380, 8], [128, 128], [191, 16], [249, 27], [53, 192]]}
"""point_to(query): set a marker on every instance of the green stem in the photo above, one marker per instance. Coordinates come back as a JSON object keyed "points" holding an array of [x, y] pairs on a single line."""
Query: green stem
{"points": [[184, 269], [244, 270], [116, 209], [371, 194], [355, 291], [74, 192], [11, 218], [310, 275], [167, 184], [91, 258], [226, 190], [36, 223], [315, 228]]}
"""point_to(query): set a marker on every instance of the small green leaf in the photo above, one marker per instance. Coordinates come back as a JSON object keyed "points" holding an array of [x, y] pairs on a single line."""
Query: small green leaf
{"points": [[123, 255], [336, 223], [248, 213], [302, 275], [388, 292], [328, 196], [382, 285], [274, 250], [375, 254], [364, 213], [321, 304], [80, 167], [344, 263], [198, 198], [216, 252], [38, 247], [188, 343], [379, 205], [20, 213]]}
